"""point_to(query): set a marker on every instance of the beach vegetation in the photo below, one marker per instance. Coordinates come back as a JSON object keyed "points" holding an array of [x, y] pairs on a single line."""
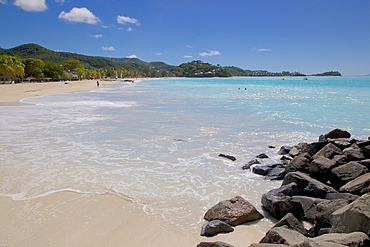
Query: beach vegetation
{"points": [[33, 68], [10, 67], [199, 68], [54, 71]]}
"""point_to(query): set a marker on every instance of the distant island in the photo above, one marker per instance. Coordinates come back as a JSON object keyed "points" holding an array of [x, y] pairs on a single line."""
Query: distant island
{"points": [[41, 62]]}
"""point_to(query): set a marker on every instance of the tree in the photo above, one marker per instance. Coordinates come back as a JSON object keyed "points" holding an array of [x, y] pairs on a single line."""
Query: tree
{"points": [[73, 65], [33, 67], [53, 70], [11, 66]]}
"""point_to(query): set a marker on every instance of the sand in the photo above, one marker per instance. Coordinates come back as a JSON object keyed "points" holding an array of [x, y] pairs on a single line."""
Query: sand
{"points": [[74, 219], [11, 94]]}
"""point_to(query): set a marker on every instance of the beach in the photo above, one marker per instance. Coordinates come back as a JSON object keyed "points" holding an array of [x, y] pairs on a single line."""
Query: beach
{"points": [[68, 218], [11, 94]]}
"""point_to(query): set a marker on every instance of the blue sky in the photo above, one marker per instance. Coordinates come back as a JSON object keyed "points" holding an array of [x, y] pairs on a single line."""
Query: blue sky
{"points": [[309, 36]]}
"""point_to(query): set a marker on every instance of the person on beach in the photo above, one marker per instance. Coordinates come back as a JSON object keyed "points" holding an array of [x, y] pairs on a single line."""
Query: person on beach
{"points": [[97, 83]]}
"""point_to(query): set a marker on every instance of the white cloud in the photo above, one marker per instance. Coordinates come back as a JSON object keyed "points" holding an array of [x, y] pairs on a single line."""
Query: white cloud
{"points": [[108, 48], [3, 1], [132, 56], [97, 36], [158, 54], [264, 49], [210, 53], [60, 2], [129, 29], [188, 56], [82, 15], [125, 19], [31, 5]]}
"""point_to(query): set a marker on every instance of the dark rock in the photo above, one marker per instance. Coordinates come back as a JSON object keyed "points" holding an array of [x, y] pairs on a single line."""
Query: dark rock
{"points": [[307, 186], [337, 133], [279, 202], [262, 156], [328, 151], [293, 223], [263, 169], [277, 173], [271, 146], [366, 152], [353, 153], [284, 150], [362, 144], [310, 148], [320, 168], [211, 228], [365, 163], [340, 159], [235, 211], [346, 196], [250, 163], [317, 243], [325, 208], [214, 244], [286, 157], [358, 186], [345, 173], [354, 217], [323, 231], [299, 163], [309, 206], [283, 235], [346, 239], [341, 143], [267, 245], [227, 157]]}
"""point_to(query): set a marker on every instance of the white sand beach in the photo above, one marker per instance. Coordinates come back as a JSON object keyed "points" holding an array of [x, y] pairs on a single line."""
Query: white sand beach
{"points": [[74, 219]]}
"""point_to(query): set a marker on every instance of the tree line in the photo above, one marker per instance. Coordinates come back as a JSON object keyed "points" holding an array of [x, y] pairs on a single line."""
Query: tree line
{"points": [[13, 68]]}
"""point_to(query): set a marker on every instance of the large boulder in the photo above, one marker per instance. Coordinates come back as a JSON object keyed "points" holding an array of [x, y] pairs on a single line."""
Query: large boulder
{"points": [[366, 152], [308, 186], [308, 205], [299, 163], [324, 210], [354, 217], [267, 245], [311, 242], [358, 186], [279, 201], [290, 221], [345, 173], [277, 173], [214, 244], [346, 196], [310, 148], [353, 153], [353, 239], [284, 150], [321, 167], [211, 228], [328, 151], [337, 133], [234, 212], [283, 235]]}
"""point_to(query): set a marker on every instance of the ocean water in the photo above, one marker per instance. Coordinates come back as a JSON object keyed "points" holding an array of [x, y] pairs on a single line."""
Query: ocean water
{"points": [[157, 142]]}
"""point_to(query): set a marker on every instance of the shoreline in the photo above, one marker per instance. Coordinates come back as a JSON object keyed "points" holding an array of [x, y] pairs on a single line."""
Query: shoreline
{"points": [[12, 94], [70, 218]]}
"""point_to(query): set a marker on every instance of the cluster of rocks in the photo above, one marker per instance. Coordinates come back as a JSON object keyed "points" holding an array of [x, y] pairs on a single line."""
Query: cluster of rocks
{"points": [[325, 183]]}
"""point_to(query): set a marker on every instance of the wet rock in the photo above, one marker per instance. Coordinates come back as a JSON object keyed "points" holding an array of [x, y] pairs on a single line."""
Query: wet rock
{"points": [[250, 163], [345, 173], [234, 212], [214, 244], [337, 133], [211, 228], [227, 157], [354, 217], [262, 156], [277, 173], [284, 150], [263, 169], [307, 186], [309, 206]]}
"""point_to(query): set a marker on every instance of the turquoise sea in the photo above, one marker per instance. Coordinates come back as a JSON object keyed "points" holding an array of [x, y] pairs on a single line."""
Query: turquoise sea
{"points": [[157, 141]]}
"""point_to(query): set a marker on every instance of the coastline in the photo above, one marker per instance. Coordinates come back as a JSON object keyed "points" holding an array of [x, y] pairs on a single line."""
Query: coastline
{"points": [[12, 94], [74, 219]]}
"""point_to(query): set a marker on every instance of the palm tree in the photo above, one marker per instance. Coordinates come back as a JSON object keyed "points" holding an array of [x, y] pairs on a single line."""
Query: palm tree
{"points": [[11, 66]]}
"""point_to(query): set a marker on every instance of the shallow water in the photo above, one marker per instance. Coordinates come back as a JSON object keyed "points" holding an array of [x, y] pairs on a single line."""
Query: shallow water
{"points": [[157, 142]]}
